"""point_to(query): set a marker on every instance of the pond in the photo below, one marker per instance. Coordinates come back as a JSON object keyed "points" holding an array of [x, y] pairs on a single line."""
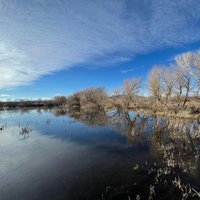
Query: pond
{"points": [[48, 154]]}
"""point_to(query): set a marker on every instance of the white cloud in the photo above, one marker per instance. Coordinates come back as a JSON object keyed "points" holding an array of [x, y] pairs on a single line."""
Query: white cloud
{"points": [[127, 71], [31, 99], [5, 95], [40, 37]]}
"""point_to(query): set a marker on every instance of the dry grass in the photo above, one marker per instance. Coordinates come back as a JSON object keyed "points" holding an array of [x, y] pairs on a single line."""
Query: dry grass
{"points": [[151, 182], [145, 105]]}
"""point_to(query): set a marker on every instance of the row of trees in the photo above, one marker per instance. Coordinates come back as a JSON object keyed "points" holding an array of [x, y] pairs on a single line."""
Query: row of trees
{"points": [[173, 86], [191, 62], [96, 98], [170, 90], [170, 87]]}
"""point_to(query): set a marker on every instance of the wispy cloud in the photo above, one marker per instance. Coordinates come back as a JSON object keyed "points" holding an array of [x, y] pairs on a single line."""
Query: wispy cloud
{"points": [[126, 71], [41, 37], [4, 95]]}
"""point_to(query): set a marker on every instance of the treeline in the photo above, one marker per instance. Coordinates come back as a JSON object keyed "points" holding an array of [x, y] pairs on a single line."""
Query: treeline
{"points": [[176, 88], [30, 104], [172, 90]]}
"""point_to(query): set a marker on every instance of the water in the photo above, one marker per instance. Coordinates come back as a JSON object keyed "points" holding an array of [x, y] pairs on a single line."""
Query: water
{"points": [[58, 156]]}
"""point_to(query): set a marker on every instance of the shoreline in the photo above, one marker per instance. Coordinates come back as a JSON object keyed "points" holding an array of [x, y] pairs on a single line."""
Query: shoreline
{"points": [[50, 104]]}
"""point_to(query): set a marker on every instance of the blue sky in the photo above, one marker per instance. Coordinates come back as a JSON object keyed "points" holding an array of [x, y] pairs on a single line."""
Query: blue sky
{"points": [[50, 48]]}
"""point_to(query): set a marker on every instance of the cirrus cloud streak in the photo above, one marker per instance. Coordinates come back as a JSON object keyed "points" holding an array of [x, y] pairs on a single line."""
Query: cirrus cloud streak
{"points": [[41, 37]]}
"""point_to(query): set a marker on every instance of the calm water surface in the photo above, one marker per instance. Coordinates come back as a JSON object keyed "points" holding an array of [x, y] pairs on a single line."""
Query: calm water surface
{"points": [[63, 157]]}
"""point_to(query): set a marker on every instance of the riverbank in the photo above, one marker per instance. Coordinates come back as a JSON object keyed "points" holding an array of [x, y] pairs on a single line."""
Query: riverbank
{"points": [[27, 104], [144, 107]]}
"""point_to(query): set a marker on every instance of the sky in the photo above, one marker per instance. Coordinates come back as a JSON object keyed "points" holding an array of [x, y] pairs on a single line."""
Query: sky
{"points": [[50, 48]]}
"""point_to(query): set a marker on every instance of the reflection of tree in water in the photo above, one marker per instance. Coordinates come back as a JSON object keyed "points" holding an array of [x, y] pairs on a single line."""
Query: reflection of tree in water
{"points": [[176, 141], [134, 126], [59, 112], [90, 118], [179, 143]]}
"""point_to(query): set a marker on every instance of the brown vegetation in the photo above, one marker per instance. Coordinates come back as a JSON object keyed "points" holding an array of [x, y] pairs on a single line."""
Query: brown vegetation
{"points": [[170, 88], [175, 89], [88, 99], [128, 94], [59, 99], [27, 104]]}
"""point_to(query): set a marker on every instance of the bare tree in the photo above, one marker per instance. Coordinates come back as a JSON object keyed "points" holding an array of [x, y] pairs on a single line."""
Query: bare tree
{"points": [[191, 62], [154, 85], [169, 87], [94, 98], [182, 88], [127, 97], [59, 99], [130, 92], [88, 99], [74, 102]]}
